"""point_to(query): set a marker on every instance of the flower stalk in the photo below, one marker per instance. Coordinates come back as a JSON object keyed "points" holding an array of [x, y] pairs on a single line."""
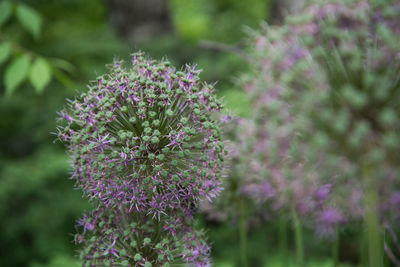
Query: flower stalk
{"points": [[243, 232], [298, 231], [372, 225]]}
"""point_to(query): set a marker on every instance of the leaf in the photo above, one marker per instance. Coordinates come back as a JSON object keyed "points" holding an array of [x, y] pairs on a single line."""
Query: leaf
{"points": [[5, 12], [40, 74], [5, 51], [64, 79], [30, 19], [16, 73], [62, 64]]}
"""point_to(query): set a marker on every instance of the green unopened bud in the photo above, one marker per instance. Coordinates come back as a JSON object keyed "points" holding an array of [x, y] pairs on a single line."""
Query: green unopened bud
{"points": [[137, 257], [122, 252], [156, 123], [147, 241]]}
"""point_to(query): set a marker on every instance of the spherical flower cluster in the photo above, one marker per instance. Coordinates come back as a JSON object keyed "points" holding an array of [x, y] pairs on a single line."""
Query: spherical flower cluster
{"points": [[347, 102], [145, 146], [117, 238], [145, 137], [324, 88]]}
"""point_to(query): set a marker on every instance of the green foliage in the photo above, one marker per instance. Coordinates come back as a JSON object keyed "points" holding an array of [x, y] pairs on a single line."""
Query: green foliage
{"points": [[40, 74], [16, 73], [29, 19], [15, 52], [59, 260], [37, 205], [191, 18], [5, 11], [5, 51], [237, 102], [220, 20]]}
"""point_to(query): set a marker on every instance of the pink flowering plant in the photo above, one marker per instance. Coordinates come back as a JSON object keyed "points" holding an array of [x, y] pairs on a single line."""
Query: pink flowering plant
{"points": [[145, 147], [325, 91]]}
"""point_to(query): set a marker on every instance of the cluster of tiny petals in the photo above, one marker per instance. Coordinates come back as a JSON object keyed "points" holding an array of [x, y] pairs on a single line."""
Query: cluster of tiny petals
{"points": [[114, 239], [196, 251], [295, 104], [145, 137], [146, 147]]}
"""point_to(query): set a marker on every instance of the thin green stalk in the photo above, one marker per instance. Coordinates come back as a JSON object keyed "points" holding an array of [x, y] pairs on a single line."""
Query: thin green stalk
{"points": [[242, 233], [283, 240], [335, 248], [298, 239], [364, 248], [374, 239]]}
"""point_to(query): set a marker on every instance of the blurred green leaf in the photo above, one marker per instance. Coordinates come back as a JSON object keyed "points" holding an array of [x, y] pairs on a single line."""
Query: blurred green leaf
{"points": [[62, 64], [5, 51], [236, 102], [40, 74], [16, 73], [62, 78], [191, 18], [59, 260], [5, 11], [30, 19]]}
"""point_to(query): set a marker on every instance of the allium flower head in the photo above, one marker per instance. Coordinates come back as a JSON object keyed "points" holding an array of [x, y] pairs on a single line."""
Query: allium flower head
{"points": [[112, 238], [145, 146], [324, 89], [145, 136], [327, 220]]}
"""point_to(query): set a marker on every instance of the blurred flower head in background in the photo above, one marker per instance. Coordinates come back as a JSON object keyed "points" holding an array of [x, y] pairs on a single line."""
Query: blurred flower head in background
{"points": [[324, 101]]}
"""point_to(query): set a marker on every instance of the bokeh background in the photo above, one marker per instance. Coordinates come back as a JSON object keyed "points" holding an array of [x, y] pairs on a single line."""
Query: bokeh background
{"points": [[69, 42]]}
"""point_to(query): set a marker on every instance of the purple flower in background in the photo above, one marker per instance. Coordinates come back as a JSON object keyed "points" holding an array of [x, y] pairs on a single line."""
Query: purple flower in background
{"points": [[323, 192], [327, 220], [395, 199], [310, 122]]}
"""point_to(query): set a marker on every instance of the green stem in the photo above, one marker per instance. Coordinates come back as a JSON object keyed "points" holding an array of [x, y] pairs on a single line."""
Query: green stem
{"points": [[283, 240], [242, 233], [335, 248], [374, 238], [364, 248], [298, 239]]}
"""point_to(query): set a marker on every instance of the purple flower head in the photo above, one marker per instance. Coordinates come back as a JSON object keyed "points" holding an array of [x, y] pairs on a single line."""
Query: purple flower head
{"points": [[226, 119], [323, 192], [327, 221], [143, 130], [146, 147], [259, 192], [395, 199], [394, 203], [116, 239], [310, 111]]}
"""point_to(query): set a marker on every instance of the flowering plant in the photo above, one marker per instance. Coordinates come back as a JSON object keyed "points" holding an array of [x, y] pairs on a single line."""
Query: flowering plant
{"points": [[145, 147], [325, 88]]}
